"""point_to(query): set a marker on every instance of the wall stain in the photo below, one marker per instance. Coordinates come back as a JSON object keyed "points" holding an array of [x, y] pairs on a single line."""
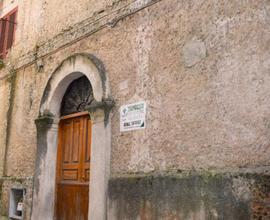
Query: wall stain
{"points": [[12, 81], [43, 125]]}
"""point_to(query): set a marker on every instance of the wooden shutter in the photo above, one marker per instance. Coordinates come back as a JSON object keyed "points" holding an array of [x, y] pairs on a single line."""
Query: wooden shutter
{"points": [[7, 30], [2, 36], [11, 28]]}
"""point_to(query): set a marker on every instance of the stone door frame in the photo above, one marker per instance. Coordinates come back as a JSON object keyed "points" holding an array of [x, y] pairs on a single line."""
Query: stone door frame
{"points": [[47, 136]]}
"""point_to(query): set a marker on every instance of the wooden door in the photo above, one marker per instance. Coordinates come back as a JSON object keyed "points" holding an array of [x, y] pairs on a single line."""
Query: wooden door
{"points": [[73, 167]]}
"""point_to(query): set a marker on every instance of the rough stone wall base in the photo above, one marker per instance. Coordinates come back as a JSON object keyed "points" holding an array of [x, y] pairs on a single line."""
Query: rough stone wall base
{"points": [[190, 196]]}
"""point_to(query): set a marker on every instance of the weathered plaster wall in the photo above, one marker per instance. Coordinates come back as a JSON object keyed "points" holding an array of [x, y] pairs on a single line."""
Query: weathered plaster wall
{"points": [[22, 138], [201, 66], [213, 114], [69, 13]]}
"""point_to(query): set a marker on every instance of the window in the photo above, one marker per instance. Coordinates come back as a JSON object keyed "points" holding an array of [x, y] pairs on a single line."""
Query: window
{"points": [[7, 30]]}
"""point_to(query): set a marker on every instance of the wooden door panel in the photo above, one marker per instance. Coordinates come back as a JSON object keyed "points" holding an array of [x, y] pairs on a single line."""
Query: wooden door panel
{"points": [[73, 169], [70, 175], [77, 124], [74, 205], [66, 140]]}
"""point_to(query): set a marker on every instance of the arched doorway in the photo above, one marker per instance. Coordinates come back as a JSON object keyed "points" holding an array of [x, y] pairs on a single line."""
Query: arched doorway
{"points": [[51, 109], [74, 152]]}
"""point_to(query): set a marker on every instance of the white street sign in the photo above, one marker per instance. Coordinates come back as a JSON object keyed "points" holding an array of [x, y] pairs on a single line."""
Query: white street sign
{"points": [[132, 116]]}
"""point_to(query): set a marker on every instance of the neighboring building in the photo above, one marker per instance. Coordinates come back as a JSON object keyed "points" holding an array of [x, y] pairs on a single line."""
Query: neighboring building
{"points": [[70, 68]]}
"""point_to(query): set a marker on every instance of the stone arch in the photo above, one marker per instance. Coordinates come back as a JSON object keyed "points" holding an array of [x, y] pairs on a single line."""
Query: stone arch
{"points": [[69, 70]]}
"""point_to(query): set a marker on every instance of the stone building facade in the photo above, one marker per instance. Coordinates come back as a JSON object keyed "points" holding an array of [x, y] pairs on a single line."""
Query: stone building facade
{"points": [[203, 69]]}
